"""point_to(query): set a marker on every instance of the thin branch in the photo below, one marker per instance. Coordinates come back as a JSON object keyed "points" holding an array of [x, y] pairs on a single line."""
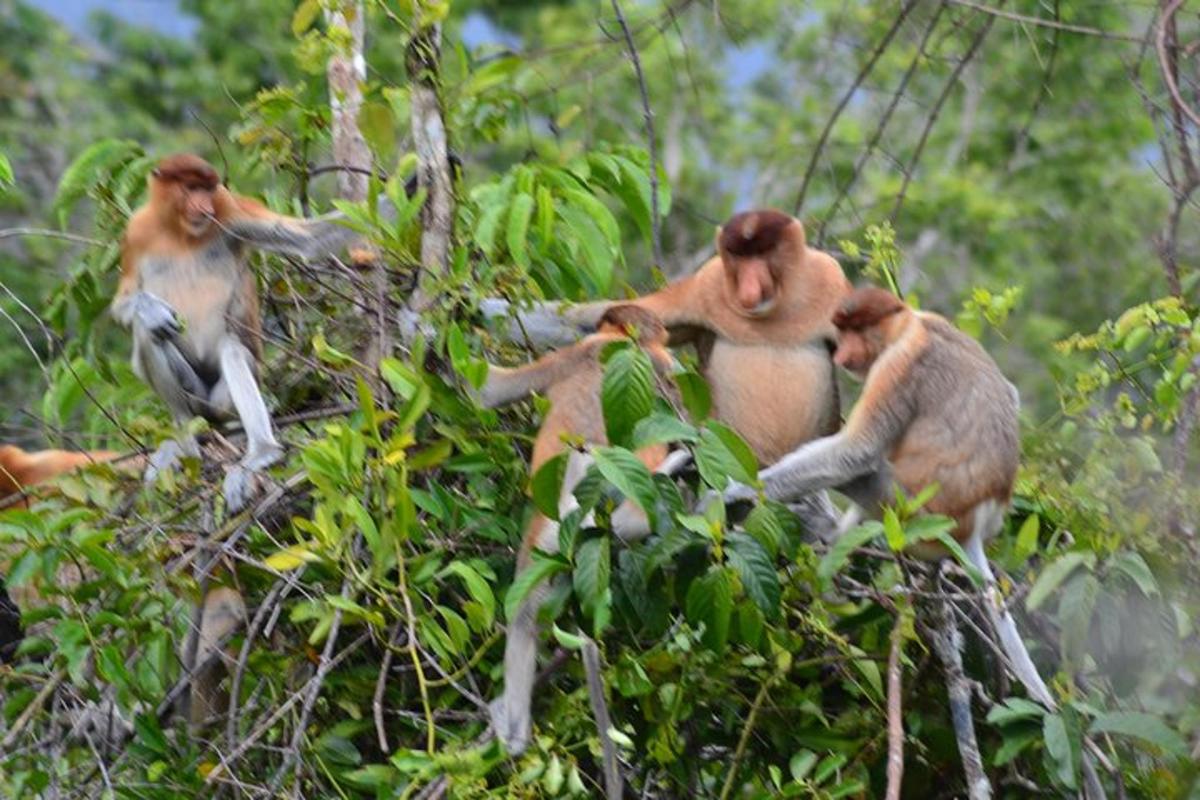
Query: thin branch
{"points": [[651, 139], [1012, 16], [860, 163], [946, 641], [595, 684], [1166, 23], [381, 687], [895, 759], [12, 233], [841, 106], [744, 740], [980, 35]]}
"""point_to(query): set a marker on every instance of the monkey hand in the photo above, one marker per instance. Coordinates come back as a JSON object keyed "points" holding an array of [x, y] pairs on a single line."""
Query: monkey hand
{"points": [[156, 316], [737, 492]]}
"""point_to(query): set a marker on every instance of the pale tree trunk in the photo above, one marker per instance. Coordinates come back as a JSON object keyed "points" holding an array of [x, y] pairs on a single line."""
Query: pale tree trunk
{"points": [[347, 72], [433, 160]]}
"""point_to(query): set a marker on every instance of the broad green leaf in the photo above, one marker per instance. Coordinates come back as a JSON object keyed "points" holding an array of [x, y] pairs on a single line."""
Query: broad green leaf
{"points": [[518, 229], [623, 470], [756, 571], [305, 15], [694, 392], [88, 169], [763, 525], [1054, 574], [1145, 727], [1058, 749], [570, 641], [1015, 709], [717, 463], [377, 121], [662, 428], [593, 571], [710, 601], [546, 485], [1131, 564], [1075, 615], [626, 392], [6, 172], [541, 568], [595, 255]]}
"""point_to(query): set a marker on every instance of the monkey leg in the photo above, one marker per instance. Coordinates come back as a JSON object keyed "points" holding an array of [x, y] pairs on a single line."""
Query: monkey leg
{"points": [[224, 611], [161, 363], [1006, 628], [262, 449], [511, 712]]}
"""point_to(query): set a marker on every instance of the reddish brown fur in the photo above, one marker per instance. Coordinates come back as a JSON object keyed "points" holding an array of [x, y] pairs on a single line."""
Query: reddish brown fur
{"points": [[866, 307], [20, 470], [753, 233]]}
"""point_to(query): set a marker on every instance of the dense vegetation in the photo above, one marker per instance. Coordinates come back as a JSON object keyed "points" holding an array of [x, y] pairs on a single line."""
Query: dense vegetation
{"points": [[1027, 171]]}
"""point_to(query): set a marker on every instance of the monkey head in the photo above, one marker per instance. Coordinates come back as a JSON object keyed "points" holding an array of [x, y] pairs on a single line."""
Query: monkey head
{"points": [[635, 322], [862, 334], [184, 187], [757, 250]]}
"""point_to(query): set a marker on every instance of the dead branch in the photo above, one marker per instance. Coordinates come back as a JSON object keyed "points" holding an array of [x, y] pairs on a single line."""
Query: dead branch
{"points": [[895, 759], [594, 672]]}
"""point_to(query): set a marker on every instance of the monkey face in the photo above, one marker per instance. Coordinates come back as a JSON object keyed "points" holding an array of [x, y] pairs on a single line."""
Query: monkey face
{"points": [[855, 352], [751, 285], [196, 209]]}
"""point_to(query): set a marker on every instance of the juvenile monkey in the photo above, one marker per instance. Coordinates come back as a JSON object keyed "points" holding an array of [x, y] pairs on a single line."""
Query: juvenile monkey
{"points": [[934, 408], [187, 296], [571, 380]]}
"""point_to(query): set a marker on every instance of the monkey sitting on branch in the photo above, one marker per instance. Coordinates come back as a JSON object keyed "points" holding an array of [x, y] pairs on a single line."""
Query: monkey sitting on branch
{"points": [[190, 302], [935, 409]]}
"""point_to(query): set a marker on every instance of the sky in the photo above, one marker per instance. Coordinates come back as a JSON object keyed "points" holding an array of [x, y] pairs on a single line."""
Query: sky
{"points": [[161, 15]]}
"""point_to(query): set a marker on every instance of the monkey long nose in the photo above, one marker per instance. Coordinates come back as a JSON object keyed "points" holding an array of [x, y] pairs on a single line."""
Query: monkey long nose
{"points": [[750, 294]]}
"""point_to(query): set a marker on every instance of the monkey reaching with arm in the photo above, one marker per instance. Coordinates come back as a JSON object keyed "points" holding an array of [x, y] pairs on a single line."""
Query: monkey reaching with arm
{"points": [[759, 314], [571, 380], [934, 408], [190, 301]]}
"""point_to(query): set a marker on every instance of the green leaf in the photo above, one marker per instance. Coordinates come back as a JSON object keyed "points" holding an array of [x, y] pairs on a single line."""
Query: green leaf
{"points": [[1075, 615], [662, 428], [1027, 538], [756, 571], [626, 392], [695, 394], [518, 229], [717, 463], [570, 641], [6, 172], [892, 530], [541, 568], [1131, 564], [839, 554], [1058, 749], [1054, 574], [763, 525], [477, 587], [546, 485], [593, 571], [88, 169], [623, 470], [305, 16], [597, 255], [1146, 727], [1015, 709], [710, 601]]}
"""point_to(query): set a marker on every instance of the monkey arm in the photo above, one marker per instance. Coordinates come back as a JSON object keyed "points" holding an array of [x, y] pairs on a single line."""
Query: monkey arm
{"points": [[821, 464], [509, 384], [552, 324], [256, 225]]}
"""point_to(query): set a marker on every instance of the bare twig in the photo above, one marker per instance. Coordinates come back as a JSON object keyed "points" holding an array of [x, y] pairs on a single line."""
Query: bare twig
{"points": [[12, 233], [1166, 26], [946, 641], [381, 687], [883, 122], [1012, 16], [651, 139], [841, 106], [744, 740], [980, 35], [895, 760], [595, 684]]}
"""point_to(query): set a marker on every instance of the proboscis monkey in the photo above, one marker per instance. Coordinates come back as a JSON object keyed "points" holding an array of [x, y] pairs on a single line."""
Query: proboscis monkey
{"points": [[571, 380], [190, 302], [760, 315], [223, 609], [934, 408]]}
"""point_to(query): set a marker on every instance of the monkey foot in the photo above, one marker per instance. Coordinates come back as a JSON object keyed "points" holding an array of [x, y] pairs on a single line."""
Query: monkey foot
{"points": [[244, 479], [510, 731], [164, 459]]}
